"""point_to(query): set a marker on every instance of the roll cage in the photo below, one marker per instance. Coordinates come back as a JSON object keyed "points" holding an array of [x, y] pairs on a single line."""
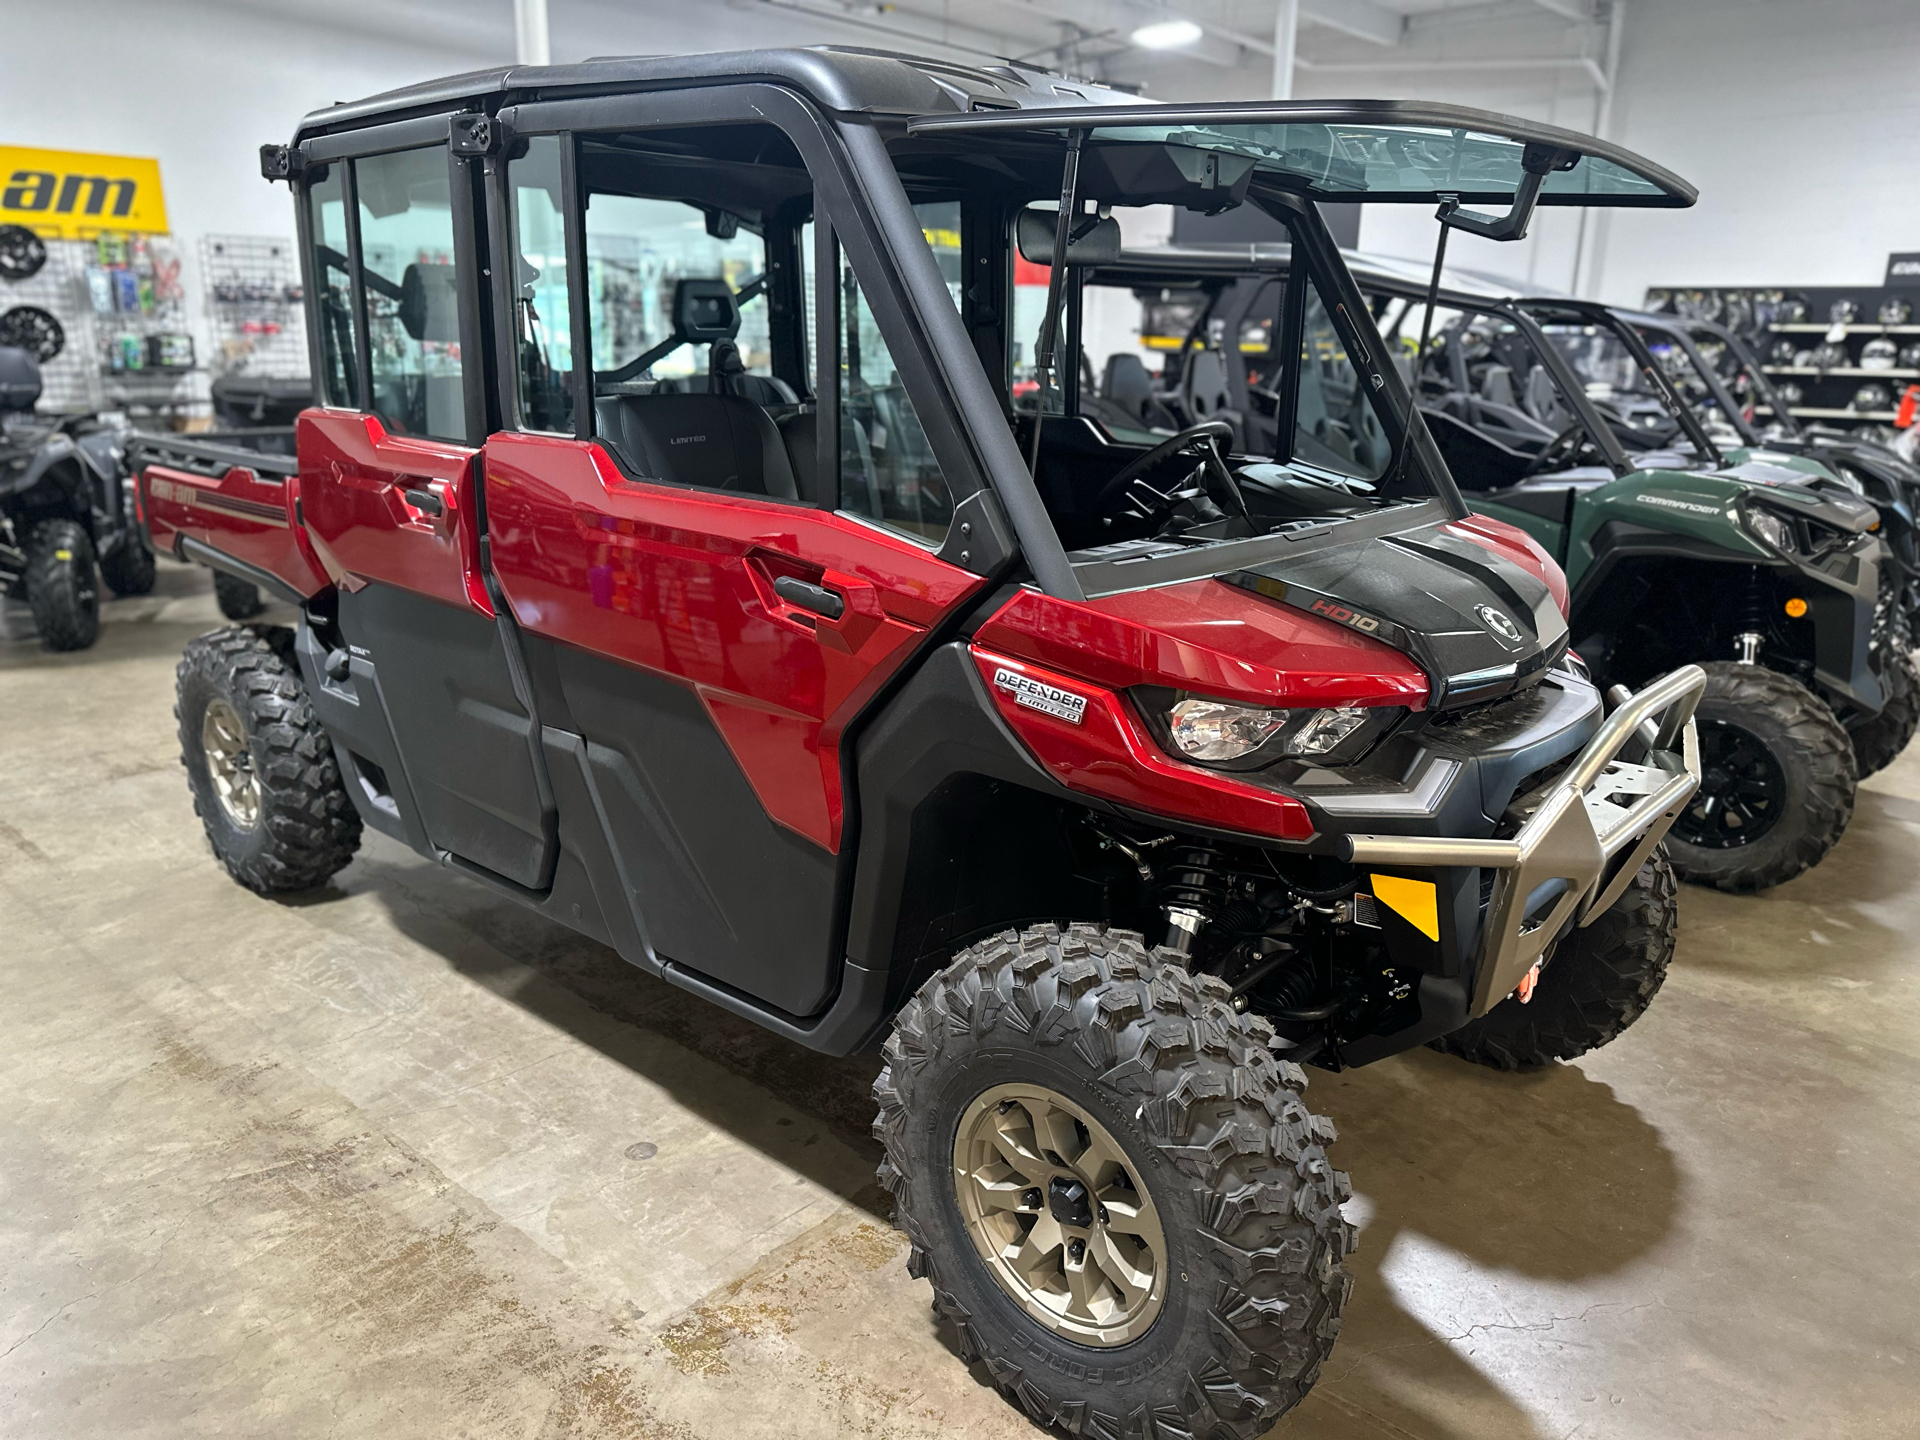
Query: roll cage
{"points": [[852, 108]]}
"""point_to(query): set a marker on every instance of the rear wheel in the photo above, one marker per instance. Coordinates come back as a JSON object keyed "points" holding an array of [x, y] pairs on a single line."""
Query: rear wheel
{"points": [[1597, 981], [1877, 743], [1121, 1201], [264, 779], [237, 599], [61, 589], [129, 570], [1777, 782]]}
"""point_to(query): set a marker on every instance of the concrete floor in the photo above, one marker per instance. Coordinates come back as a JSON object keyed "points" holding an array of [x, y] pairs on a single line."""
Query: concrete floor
{"points": [[399, 1160]]}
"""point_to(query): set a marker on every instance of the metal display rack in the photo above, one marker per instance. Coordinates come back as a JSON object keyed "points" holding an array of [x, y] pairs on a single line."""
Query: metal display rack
{"points": [[255, 318], [1802, 321]]}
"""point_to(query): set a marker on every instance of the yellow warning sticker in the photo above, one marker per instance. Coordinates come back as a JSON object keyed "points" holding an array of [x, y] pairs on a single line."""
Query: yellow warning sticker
{"points": [[63, 554], [1415, 901]]}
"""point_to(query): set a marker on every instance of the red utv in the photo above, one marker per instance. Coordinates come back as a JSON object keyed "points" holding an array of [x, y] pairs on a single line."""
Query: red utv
{"points": [[673, 555]]}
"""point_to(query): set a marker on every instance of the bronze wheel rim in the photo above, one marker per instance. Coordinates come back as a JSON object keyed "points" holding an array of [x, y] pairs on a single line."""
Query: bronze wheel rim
{"points": [[230, 764], [1058, 1216]]}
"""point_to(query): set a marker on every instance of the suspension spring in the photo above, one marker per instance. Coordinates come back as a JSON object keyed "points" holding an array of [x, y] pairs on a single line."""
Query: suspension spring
{"points": [[1194, 885]]}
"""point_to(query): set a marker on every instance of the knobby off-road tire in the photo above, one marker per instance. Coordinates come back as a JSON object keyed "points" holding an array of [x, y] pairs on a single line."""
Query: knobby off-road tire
{"points": [[1877, 743], [270, 796], [61, 589], [130, 570], [1214, 1133], [1596, 983], [238, 599], [1818, 776]]}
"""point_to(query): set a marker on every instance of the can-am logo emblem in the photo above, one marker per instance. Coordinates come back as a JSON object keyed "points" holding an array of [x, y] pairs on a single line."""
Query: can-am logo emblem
{"points": [[1501, 628], [1036, 695]]}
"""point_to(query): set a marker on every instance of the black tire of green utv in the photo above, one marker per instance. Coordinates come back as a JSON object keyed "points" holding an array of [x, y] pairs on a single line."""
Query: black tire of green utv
{"points": [[1816, 757], [1877, 743], [1217, 1134], [130, 570], [308, 829], [1597, 981], [238, 599], [61, 589]]}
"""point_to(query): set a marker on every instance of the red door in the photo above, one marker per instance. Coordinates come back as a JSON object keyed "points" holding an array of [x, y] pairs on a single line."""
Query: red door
{"points": [[392, 518], [714, 706]]}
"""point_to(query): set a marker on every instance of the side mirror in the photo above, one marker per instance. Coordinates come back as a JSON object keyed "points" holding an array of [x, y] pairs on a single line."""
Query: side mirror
{"points": [[1095, 242]]}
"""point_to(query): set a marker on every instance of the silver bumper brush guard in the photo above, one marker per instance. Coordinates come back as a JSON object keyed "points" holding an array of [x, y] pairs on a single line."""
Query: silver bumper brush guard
{"points": [[1585, 835]]}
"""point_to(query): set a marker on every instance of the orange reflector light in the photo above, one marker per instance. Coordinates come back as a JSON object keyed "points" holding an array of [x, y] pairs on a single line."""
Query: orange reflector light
{"points": [[1796, 607]]}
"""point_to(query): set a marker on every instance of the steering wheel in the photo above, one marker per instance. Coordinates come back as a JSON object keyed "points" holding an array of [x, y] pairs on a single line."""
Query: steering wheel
{"points": [[1561, 452], [1220, 482]]}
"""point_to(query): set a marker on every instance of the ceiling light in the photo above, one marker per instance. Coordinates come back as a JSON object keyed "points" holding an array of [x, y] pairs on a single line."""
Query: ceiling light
{"points": [[1166, 35]]}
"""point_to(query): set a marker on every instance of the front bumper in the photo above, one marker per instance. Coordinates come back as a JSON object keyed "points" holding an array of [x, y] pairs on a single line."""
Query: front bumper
{"points": [[1584, 836]]}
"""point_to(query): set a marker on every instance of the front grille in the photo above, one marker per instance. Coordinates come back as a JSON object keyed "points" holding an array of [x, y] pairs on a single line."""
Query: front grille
{"points": [[1487, 723]]}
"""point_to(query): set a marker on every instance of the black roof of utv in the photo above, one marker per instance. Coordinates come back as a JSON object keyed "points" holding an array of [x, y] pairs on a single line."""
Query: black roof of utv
{"points": [[1393, 150]]}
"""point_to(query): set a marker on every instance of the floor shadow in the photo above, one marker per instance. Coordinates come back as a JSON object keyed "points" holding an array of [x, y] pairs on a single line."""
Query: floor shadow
{"points": [[1544, 1178], [433, 906]]}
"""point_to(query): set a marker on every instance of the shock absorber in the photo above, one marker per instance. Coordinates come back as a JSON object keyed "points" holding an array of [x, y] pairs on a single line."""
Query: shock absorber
{"points": [[1193, 887], [1753, 619]]}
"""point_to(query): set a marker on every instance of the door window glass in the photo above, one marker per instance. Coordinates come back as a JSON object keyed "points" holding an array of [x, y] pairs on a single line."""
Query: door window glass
{"points": [[639, 250], [327, 217], [887, 469], [413, 292], [1336, 423], [542, 316]]}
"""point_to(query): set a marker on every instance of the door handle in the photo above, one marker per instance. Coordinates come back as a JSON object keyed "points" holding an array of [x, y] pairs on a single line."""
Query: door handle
{"points": [[425, 501], [808, 596]]}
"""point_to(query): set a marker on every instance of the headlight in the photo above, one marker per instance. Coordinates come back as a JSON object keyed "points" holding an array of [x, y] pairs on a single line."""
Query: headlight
{"points": [[1221, 732], [1771, 528]]}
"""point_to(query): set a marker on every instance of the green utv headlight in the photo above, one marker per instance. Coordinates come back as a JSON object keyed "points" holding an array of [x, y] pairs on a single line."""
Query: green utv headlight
{"points": [[1776, 530], [1239, 737]]}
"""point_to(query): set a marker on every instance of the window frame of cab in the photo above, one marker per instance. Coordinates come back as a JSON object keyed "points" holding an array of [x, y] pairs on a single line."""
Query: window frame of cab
{"points": [[844, 222]]}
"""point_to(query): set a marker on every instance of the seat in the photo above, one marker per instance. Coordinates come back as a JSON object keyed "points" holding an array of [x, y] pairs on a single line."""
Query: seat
{"points": [[717, 442], [1203, 390], [1496, 386]]}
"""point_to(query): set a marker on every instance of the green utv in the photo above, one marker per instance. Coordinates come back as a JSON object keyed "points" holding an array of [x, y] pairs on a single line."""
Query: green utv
{"points": [[1765, 567]]}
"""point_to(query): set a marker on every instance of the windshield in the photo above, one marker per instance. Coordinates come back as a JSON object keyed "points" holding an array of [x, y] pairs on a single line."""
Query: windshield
{"points": [[1614, 382], [1408, 151]]}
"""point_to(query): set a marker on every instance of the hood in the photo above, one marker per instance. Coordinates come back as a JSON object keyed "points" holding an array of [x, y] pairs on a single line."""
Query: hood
{"points": [[1479, 625]]}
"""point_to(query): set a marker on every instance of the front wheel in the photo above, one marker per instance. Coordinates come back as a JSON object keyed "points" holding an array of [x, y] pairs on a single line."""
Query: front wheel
{"points": [[61, 589], [264, 779], [1122, 1203], [1777, 782], [1596, 982], [1877, 743]]}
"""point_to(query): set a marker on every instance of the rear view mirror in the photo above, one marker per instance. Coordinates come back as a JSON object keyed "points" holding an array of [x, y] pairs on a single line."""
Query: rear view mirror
{"points": [[1098, 245]]}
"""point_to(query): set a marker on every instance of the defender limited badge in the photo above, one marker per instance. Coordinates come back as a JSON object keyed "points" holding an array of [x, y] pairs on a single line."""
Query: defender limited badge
{"points": [[1047, 699], [1500, 627]]}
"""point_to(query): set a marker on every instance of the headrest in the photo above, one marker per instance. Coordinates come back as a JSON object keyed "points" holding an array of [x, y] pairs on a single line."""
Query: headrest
{"points": [[430, 303], [1098, 245], [704, 311]]}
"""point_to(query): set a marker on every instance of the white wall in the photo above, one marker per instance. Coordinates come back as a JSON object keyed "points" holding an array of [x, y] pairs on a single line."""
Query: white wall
{"points": [[1792, 117]]}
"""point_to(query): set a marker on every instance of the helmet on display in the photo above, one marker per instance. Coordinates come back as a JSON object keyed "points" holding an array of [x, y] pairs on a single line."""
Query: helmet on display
{"points": [[1844, 312], [1792, 393], [1659, 302], [29, 328], [1739, 311], [1872, 396], [1792, 310], [1895, 311], [1880, 354], [1910, 356], [1783, 352], [1803, 359], [1828, 356]]}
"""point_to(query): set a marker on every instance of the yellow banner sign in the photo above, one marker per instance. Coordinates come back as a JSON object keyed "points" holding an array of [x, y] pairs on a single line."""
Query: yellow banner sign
{"points": [[68, 195]]}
